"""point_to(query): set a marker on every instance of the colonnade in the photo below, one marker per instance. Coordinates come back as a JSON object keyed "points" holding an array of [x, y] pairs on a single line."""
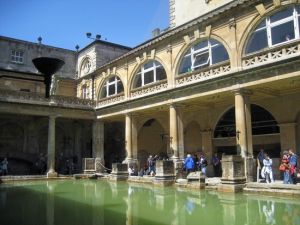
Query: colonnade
{"points": [[243, 128]]}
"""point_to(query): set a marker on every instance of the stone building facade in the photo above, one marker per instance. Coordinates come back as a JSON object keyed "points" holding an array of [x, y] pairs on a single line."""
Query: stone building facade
{"points": [[225, 81]]}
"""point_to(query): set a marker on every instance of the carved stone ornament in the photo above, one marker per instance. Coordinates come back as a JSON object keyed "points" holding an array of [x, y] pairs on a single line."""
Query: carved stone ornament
{"points": [[86, 66]]}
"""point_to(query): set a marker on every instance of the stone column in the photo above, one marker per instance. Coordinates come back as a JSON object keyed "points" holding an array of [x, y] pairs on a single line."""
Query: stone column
{"points": [[174, 132], [128, 136], [98, 145], [131, 145], [244, 130], [51, 147], [240, 120], [287, 136]]}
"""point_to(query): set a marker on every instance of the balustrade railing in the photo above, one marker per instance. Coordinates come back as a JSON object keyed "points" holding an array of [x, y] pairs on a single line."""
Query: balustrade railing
{"points": [[37, 98], [111, 100], [272, 55], [203, 74], [149, 89]]}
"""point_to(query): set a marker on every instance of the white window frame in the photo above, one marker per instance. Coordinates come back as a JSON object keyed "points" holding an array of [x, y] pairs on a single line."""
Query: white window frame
{"points": [[269, 25], [17, 56], [194, 53], [153, 68], [112, 83], [85, 92]]}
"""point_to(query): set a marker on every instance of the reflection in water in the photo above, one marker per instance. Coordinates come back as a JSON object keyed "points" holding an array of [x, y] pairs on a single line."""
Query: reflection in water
{"points": [[268, 210], [100, 202]]}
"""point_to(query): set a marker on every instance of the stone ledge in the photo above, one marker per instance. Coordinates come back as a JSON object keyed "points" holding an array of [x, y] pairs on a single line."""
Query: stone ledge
{"points": [[272, 191]]}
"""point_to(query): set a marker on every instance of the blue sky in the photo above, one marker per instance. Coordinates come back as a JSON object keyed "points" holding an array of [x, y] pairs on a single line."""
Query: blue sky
{"points": [[64, 23]]}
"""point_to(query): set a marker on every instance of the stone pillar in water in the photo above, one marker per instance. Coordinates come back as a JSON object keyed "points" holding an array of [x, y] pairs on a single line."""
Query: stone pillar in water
{"points": [[244, 130], [233, 176], [164, 173], [51, 148], [119, 172], [98, 145], [196, 180]]}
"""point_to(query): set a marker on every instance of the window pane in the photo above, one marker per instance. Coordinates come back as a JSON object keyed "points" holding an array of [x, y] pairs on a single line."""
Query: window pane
{"points": [[201, 59], [282, 14], [148, 77], [262, 24], [283, 33], [258, 41], [120, 87], [111, 90], [148, 65], [186, 65], [202, 44], [219, 54], [138, 80], [103, 92], [298, 9], [111, 79], [160, 73]]}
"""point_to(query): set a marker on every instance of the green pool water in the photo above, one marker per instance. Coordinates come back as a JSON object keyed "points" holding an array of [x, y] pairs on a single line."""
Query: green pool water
{"points": [[93, 202]]}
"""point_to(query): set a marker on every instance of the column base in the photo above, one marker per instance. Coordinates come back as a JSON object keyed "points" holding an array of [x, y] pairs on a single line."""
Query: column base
{"points": [[51, 174]]}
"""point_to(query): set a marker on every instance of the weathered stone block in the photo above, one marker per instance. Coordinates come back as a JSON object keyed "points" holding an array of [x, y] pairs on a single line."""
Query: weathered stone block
{"points": [[196, 180], [164, 173], [119, 172], [88, 165], [233, 176]]}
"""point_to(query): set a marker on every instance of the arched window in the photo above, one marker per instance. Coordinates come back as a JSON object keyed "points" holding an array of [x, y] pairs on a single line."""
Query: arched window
{"points": [[150, 72], [203, 54], [111, 87], [262, 123], [279, 28], [85, 92]]}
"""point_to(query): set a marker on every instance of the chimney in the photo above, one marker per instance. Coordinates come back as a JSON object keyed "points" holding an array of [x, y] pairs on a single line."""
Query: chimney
{"points": [[155, 32]]}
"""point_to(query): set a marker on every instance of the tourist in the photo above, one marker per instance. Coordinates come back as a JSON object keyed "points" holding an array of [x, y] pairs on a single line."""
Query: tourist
{"points": [[260, 159], [216, 165], [151, 165], [196, 161], [189, 164], [267, 171], [285, 167], [293, 158], [203, 164], [5, 166], [131, 171]]}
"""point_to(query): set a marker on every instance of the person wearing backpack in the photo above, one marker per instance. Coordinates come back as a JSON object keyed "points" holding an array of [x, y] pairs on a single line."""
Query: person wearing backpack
{"points": [[189, 163], [203, 164]]}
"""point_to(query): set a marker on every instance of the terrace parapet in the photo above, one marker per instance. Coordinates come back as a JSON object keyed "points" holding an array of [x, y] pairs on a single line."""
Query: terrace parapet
{"points": [[39, 99], [270, 55]]}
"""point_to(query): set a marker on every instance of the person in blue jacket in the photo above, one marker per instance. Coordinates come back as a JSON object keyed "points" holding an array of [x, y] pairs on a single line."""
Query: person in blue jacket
{"points": [[189, 163], [293, 166]]}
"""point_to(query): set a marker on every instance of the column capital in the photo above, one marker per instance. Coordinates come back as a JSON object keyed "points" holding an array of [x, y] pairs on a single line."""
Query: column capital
{"points": [[242, 91]]}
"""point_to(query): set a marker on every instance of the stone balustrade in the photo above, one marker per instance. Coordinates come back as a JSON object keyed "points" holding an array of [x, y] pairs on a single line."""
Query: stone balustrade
{"points": [[39, 99], [110, 100], [203, 74], [149, 89], [275, 54]]}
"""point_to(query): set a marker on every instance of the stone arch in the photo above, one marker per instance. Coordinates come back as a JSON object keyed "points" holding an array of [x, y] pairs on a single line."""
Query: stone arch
{"points": [[138, 66], [263, 122], [185, 48], [99, 88], [152, 140], [255, 22]]}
